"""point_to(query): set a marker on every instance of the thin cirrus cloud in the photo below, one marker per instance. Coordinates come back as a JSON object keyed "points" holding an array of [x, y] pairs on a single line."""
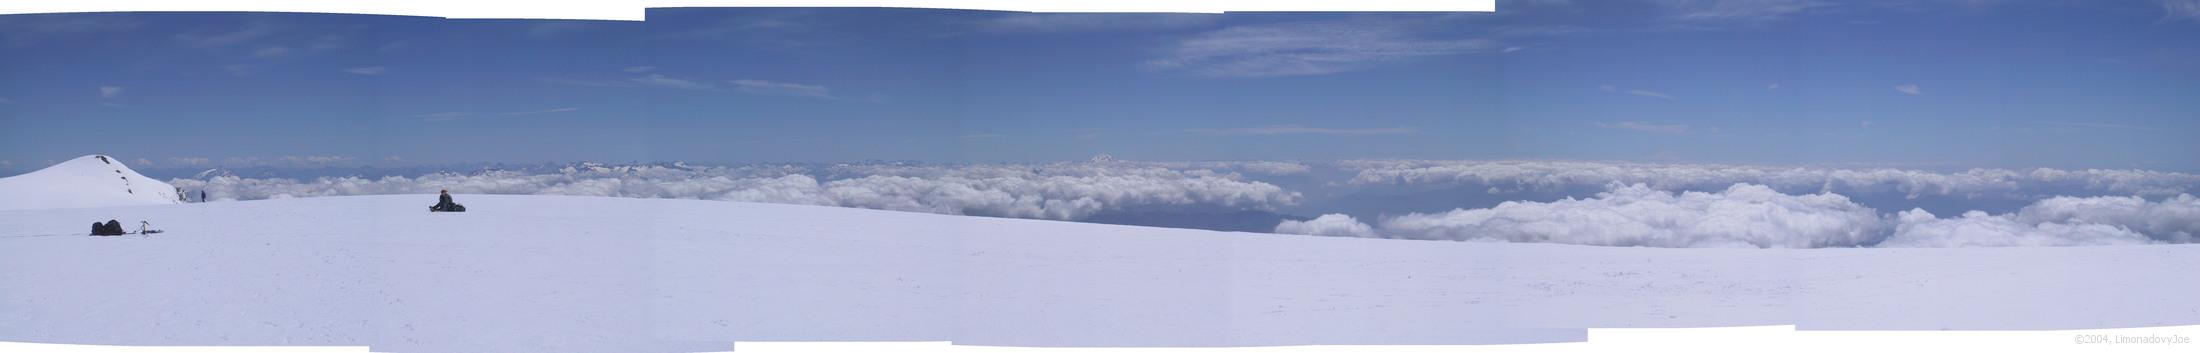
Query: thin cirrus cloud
{"points": [[1669, 129], [1737, 10], [455, 116], [2079, 124], [754, 86], [660, 80], [1309, 48], [540, 112], [1639, 92], [1299, 130], [247, 32], [1910, 89], [110, 91], [369, 70], [1067, 23], [2180, 10], [1651, 94], [271, 52]]}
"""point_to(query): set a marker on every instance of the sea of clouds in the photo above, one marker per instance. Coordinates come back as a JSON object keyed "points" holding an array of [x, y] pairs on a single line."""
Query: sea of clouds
{"points": [[1640, 204], [1057, 191], [1510, 176], [1756, 216]]}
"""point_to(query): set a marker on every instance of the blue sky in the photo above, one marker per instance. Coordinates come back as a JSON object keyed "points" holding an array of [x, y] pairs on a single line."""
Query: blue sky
{"points": [[2107, 84]]}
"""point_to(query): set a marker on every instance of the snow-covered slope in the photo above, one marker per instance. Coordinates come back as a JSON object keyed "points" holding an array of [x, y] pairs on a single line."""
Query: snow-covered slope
{"points": [[562, 273], [88, 181]]}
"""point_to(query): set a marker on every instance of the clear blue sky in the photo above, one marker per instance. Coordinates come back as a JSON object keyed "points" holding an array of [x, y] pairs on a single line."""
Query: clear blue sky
{"points": [[2111, 84]]}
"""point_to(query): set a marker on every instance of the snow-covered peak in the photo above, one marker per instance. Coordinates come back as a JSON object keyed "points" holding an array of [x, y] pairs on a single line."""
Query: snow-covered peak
{"points": [[88, 181]]}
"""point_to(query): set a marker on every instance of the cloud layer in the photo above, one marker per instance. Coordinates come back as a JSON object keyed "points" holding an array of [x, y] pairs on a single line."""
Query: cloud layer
{"points": [[1974, 183], [1062, 191], [1750, 215], [1744, 215]]}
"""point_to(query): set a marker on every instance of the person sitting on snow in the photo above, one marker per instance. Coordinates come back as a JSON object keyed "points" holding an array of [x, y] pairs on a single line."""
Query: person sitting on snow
{"points": [[444, 204]]}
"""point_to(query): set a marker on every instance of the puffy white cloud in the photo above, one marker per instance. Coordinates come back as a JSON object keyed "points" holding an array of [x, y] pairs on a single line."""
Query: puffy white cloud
{"points": [[1973, 183], [2174, 219], [1743, 215], [1336, 225], [1749, 215], [1918, 228], [1061, 191]]}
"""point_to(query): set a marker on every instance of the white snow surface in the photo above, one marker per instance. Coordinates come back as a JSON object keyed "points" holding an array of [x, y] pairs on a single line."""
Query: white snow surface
{"points": [[525, 273], [88, 181]]}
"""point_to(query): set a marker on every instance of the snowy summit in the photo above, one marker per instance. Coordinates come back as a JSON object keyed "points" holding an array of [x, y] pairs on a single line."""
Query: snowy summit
{"points": [[88, 181]]}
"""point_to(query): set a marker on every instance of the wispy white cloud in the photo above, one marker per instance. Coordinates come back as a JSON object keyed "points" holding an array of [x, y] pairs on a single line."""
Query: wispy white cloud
{"points": [[638, 69], [1646, 127], [239, 69], [246, 32], [370, 70], [1910, 89], [2180, 10], [326, 42], [1092, 22], [1310, 48], [555, 28], [2082, 124], [110, 91], [1732, 11], [782, 88], [18, 30], [1773, 86], [443, 116], [455, 116], [539, 112], [660, 80], [271, 52], [316, 159], [5, 100], [189, 161], [1651, 94], [1867, 124], [1512, 49], [1297, 130]]}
